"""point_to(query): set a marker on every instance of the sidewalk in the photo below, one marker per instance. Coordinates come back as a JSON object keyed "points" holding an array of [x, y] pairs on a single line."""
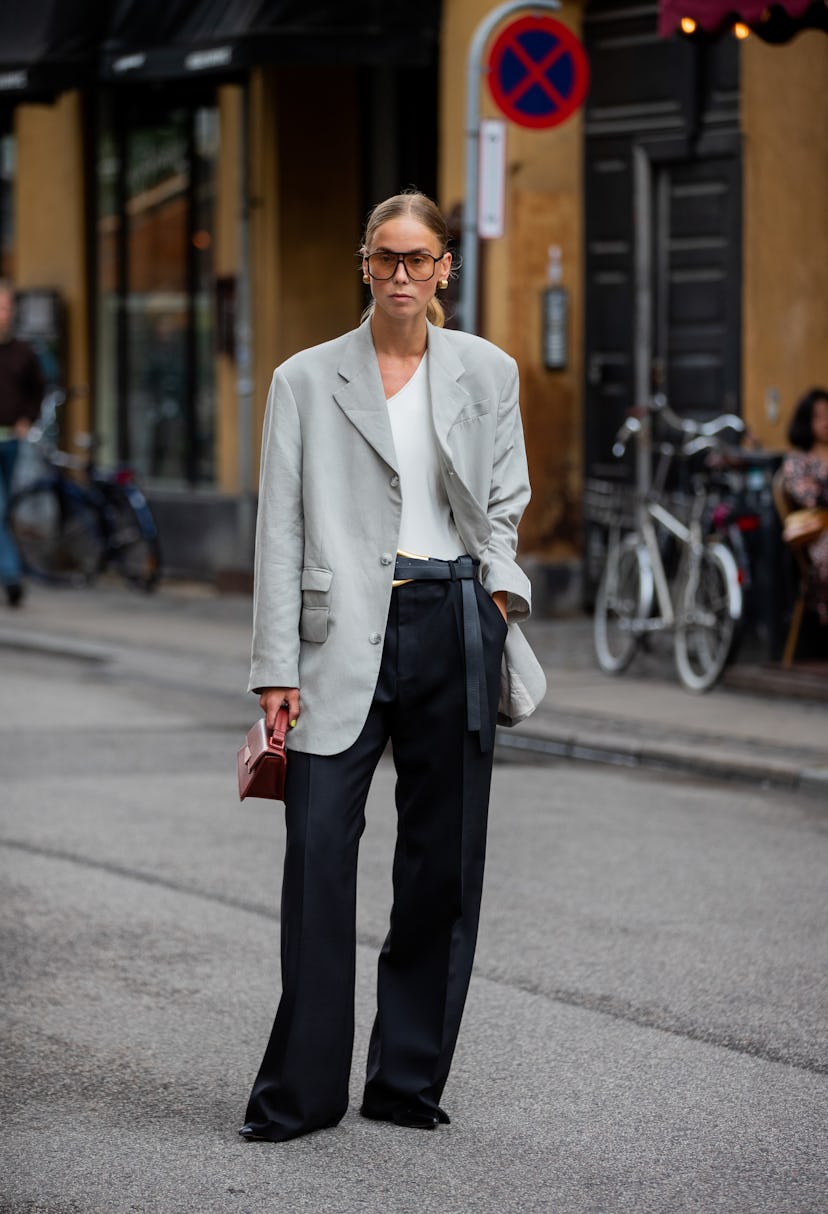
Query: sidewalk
{"points": [[762, 725]]}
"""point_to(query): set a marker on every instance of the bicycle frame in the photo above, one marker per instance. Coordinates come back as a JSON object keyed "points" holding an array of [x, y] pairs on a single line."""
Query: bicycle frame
{"points": [[687, 535], [125, 530], [692, 541], [701, 601]]}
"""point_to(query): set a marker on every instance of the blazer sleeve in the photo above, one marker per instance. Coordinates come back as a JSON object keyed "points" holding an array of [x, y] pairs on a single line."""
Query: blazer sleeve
{"points": [[508, 497], [280, 542]]}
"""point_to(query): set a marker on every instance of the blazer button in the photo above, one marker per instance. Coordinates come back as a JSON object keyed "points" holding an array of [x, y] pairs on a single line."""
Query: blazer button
{"points": [[375, 638], [395, 480], [386, 558]]}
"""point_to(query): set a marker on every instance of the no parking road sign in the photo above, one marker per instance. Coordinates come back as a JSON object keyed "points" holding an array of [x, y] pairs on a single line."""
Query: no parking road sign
{"points": [[538, 72]]}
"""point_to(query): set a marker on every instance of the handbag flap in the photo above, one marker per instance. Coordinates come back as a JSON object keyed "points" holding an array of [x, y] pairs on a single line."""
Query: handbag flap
{"points": [[262, 761], [257, 742]]}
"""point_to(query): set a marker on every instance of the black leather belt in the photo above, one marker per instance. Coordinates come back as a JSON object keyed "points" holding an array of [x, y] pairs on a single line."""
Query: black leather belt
{"points": [[464, 571]]}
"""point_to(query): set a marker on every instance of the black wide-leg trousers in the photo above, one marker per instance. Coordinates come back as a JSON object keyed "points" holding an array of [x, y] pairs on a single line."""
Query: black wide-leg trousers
{"points": [[442, 795]]}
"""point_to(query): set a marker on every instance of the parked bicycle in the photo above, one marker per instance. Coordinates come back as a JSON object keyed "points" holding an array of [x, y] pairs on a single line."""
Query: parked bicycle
{"points": [[76, 520], [665, 570]]}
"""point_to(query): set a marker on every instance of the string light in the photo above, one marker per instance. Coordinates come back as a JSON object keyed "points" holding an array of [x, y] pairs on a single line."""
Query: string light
{"points": [[688, 25], [741, 30]]}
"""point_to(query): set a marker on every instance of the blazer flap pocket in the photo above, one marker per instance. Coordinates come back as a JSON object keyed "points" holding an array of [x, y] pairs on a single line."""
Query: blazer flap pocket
{"points": [[313, 624], [317, 579], [477, 408]]}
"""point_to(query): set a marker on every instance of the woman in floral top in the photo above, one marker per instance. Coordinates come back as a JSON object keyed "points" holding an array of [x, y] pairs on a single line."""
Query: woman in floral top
{"points": [[805, 474]]}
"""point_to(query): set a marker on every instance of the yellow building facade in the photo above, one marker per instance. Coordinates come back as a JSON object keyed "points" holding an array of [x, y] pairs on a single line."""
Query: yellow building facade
{"points": [[292, 175]]}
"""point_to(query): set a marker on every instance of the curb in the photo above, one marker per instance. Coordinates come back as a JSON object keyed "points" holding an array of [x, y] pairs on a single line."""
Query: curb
{"points": [[631, 752]]}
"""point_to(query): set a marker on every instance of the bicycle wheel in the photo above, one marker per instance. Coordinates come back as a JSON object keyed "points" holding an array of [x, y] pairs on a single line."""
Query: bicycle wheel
{"points": [[57, 533], [132, 540], [619, 603], [710, 606]]}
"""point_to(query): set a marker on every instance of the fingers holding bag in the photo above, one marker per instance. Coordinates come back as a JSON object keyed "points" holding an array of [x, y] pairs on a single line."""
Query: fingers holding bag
{"points": [[271, 700]]}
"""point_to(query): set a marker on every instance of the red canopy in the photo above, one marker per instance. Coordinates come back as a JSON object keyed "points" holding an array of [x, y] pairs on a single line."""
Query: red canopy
{"points": [[712, 15]]}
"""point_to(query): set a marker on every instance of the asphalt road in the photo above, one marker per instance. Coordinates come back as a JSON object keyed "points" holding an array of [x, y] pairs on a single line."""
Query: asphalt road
{"points": [[646, 1028]]}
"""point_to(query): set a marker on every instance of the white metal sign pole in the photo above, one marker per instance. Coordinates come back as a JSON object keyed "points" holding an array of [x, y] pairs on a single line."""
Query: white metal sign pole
{"points": [[491, 206], [474, 67]]}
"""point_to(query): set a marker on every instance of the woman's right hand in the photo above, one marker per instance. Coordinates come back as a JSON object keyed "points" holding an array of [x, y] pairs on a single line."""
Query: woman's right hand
{"points": [[272, 699]]}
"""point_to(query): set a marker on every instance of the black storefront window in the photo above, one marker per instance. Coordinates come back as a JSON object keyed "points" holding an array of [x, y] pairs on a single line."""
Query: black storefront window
{"points": [[156, 172]]}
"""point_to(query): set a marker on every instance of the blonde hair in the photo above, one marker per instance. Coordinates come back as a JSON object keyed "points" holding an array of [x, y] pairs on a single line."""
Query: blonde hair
{"points": [[420, 207]]}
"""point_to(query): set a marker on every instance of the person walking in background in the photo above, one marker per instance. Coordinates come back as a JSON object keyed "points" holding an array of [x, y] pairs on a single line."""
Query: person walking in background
{"points": [[805, 476], [393, 479], [21, 394]]}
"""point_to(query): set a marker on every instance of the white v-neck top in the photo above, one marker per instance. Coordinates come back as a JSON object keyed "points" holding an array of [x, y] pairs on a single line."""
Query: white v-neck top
{"points": [[427, 527]]}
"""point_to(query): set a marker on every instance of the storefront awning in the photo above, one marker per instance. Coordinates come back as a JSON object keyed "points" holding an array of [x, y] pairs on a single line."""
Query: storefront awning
{"points": [[47, 46], [177, 39], [774, 21]]}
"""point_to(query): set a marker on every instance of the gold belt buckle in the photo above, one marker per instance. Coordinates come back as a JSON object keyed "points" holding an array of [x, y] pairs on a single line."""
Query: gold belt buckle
{"points": [[413, 556]]}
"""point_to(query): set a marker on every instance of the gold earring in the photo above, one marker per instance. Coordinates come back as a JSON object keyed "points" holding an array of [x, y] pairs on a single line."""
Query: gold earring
{"points": [[366, 279], [442, 283]]}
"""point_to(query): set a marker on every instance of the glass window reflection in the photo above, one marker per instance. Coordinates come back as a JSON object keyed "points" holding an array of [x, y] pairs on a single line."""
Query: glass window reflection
{"points": [[156, 177]]}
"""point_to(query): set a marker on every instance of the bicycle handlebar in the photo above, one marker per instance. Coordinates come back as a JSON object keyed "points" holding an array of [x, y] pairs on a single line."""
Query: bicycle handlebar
{"points": [[685, 425], [727, 421], [702, 442], [49, 406], [44, 430], [658, 404], [696, 435], [631, 426]]}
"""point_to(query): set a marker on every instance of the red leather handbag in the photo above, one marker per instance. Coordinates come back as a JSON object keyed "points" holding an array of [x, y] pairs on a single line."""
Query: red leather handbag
{"points": [[262, 761]]}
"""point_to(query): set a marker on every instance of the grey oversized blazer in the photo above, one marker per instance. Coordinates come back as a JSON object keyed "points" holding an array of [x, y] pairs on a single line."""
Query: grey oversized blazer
{"points": [[329, 518]]}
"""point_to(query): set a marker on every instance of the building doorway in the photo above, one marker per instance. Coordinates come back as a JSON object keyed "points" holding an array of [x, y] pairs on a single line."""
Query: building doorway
{"points": [[663, 233]]}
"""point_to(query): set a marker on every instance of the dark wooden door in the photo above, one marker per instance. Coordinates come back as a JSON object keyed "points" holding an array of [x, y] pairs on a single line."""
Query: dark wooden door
{"points": [[662, 181], [696, 285]]}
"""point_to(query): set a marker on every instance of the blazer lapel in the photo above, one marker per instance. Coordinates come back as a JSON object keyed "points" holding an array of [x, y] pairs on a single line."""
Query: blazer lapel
{"points": [[448, 398], [362, 398], [448, 401]]}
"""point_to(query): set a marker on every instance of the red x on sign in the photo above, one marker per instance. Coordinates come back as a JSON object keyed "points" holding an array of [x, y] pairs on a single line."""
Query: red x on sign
{"points": [[538, 72]]}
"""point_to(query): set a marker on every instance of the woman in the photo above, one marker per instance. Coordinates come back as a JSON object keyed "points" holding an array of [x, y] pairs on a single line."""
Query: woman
{"points": [[398, 438], [805, 476]]}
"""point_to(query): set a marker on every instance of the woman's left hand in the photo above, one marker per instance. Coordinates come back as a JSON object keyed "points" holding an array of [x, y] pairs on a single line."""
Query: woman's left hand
{"points": [[499, 597]]}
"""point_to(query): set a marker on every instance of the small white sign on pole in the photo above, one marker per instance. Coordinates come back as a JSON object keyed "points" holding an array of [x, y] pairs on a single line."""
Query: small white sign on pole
{"points": [[491, 200]]}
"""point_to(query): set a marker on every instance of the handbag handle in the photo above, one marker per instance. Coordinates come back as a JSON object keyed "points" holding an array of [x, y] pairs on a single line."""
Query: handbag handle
{"points": [[276, 741]]}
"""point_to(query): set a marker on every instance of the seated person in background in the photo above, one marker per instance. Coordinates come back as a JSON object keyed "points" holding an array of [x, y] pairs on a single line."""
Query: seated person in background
{"points": [[805, 475]]}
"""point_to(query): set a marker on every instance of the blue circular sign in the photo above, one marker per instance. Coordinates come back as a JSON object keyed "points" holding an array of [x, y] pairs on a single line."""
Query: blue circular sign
{"points": [[538, 72]]}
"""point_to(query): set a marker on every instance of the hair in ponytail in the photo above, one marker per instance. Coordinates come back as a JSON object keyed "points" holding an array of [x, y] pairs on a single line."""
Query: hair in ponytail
{"points": [[420, 207]]}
